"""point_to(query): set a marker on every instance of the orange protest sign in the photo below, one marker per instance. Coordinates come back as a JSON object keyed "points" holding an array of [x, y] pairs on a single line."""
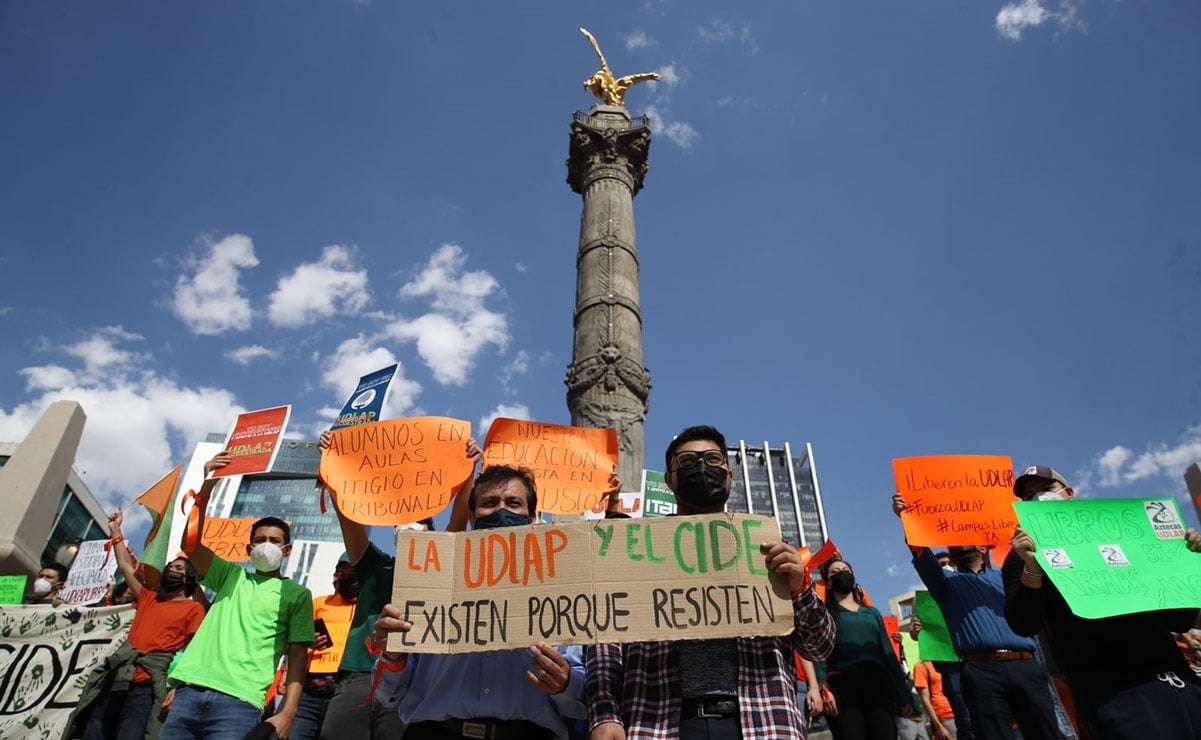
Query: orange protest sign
{"points": [[328, 660], [227, 538], [956, 499], [571, 465], [892, 627], [397, 471], [253, 441]]}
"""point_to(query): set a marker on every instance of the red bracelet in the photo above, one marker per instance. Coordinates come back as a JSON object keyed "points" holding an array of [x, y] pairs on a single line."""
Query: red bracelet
{"points": [[116, 540]]}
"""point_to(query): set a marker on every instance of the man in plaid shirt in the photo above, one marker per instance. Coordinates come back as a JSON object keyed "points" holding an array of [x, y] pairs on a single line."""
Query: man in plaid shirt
{"points": [[716, 689]]}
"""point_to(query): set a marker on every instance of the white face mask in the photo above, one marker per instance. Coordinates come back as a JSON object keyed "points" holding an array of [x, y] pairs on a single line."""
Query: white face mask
{"points": [[41, 587], [266, 557], [1050, 496]]}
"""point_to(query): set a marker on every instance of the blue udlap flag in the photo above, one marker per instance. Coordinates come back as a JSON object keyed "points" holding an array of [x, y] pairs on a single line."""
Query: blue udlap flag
{"points": [[366, 403]]}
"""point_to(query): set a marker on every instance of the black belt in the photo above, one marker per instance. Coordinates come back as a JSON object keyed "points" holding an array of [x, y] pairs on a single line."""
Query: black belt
{"points": [[492, 729], [712, 708], [999, 655]]}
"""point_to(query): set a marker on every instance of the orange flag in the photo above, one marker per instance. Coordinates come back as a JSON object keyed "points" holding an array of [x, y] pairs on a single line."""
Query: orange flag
{"points": [[157, 500]]}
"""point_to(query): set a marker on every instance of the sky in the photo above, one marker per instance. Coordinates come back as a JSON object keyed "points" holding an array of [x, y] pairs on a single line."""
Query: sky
{"points": [[885, 228]]}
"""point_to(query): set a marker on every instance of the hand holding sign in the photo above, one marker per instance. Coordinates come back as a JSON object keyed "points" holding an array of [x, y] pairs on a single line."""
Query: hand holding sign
{"points": [[571, 465], [398, 471]]}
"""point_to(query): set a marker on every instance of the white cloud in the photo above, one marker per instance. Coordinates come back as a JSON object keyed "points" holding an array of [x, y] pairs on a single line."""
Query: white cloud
{"points": [[139, 423], [1016, 17], [638, 40], [451, 336], [354, 358], [720, 33], [5, 310], [669, 76], [679, 133], [519, 366], [317, 290], [210, 299], [248, 354], [506, 410], [1119, 465]]}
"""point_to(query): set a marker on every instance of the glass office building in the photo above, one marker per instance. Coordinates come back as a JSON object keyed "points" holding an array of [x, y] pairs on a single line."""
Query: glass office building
{"points": [[774, 481]]}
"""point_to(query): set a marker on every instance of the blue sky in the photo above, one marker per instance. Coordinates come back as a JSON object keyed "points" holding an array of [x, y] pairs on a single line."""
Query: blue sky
{"points": [[888, 229]]}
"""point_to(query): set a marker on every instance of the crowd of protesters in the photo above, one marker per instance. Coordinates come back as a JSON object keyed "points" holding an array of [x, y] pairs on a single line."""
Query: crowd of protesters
{"points": [[249, 663]]}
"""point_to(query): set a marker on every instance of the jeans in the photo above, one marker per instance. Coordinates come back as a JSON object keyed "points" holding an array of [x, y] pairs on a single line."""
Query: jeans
{"points": [[347, 718], [307, 722], [136, 711], [203, 714]]}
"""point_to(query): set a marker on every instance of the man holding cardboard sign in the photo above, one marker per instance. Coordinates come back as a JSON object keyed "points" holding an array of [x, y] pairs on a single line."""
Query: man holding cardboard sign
{"points": [[723, 688], [500, 694], [1126, 674]]}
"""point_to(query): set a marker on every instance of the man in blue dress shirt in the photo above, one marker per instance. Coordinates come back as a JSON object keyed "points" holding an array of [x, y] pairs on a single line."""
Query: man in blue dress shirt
{"points": [[502, 694], [1002, 679]]}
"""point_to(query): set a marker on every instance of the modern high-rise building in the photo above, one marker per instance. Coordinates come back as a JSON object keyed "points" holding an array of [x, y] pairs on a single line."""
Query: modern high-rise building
{"points": [[774, 481], [290, 492], [48, 510]]}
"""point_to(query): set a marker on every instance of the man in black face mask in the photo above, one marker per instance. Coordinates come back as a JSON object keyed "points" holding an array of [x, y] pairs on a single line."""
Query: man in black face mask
{"points": [[464, 695], [714, 689]]}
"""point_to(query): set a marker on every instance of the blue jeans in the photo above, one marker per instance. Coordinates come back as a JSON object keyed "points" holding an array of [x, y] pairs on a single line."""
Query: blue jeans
{"points": [[135, 713], [307, 722], [203, 714]]}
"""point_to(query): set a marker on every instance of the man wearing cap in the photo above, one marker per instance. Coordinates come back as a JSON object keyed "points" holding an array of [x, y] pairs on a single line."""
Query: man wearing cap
{"points": [[1127, 677], [1002, 679]]}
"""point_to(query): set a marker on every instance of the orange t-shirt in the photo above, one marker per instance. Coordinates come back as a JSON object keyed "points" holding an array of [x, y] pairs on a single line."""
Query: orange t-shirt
{"points": [[162, 626], [926, 676]]}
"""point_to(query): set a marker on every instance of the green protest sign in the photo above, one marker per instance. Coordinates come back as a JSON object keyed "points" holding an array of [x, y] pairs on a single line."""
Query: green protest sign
{"points": [[912, 651], [12, 588], [657, 498], [1114, 556], [934, 641]]}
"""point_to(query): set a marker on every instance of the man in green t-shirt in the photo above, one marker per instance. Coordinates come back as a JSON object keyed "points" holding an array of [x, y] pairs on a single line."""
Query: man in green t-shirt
{"points": [[222, 677]]}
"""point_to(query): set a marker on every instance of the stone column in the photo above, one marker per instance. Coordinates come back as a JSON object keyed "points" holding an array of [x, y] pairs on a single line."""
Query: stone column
{"points": [[607, 384]]}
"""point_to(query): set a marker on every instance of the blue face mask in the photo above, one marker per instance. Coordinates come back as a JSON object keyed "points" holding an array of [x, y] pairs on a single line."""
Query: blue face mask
{"points": [[502, 518]]}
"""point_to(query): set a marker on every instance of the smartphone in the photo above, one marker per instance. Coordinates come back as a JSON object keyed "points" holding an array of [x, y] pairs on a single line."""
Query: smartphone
{"points": [[320, 628]]}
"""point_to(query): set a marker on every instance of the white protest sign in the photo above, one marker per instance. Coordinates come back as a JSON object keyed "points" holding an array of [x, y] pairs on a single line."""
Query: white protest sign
{"points": [[92, 569]]}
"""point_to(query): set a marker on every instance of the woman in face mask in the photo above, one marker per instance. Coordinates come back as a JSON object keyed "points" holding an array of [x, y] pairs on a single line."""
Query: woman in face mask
{"points": [[867, 688]]}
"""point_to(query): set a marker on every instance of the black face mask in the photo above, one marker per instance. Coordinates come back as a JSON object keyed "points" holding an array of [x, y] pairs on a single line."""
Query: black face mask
{"points": [[702, 486], [172, 581], [347, 588], [843, 582], [501, 518]]}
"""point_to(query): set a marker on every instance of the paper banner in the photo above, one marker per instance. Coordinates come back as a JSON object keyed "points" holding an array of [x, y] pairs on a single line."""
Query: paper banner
{"points": [[571, 465], [1114, 556], [328, 660], [228, 538], [581, 583], [253, 441], [366, 403], [892, 628], [12, 589], [397, 471], [934, 641], [657, 498], [48, 653], [92, 569], [956, 499]]}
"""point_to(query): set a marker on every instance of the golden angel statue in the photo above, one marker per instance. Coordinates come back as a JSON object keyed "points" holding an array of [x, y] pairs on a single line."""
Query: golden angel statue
{"points": [[602, 84]]}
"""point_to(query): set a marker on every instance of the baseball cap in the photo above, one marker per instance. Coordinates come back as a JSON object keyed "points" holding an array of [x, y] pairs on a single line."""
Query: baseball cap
{"points": [[1038, 471]]}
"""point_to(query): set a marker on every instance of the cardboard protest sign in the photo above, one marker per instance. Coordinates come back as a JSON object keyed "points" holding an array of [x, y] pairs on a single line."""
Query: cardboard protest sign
{"points": [[92, 569], [956, 499], [631, 506], [366, 403], [47, 654], [228, 538], [571, 465], [580, 583], [1114, 556], [397, 471], [657, 498], [253, 441], [12, 589], [934, 641]]}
